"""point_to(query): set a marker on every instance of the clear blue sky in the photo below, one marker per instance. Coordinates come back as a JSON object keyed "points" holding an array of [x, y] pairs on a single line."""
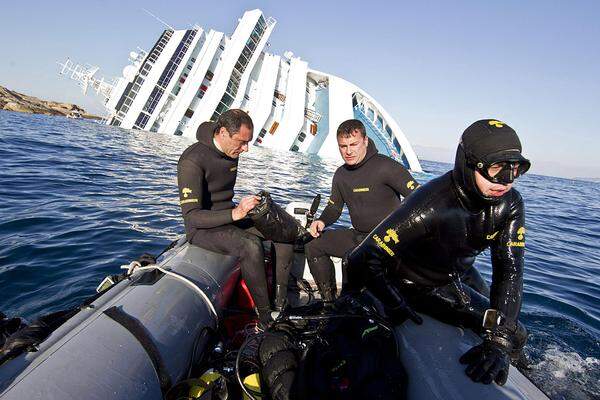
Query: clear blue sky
{"points": [[435, 66]]}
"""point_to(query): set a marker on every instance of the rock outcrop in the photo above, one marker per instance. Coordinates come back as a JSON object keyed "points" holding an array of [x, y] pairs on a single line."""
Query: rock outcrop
{"points": [[14, 101]]}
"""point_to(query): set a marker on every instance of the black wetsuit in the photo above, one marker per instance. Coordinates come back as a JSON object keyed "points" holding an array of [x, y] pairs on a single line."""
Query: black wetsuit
{"points": [[206, 179], [371, 189], [427, 248]]}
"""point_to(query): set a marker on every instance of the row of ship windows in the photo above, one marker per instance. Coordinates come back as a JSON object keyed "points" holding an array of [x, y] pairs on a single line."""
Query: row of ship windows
{"points": [[133, 91], [158, 48], [261, 22], [177, 87], [379, 122], [238, 70], [141, 120], [232, 88], [130, 94], [175, 60], [166, 77]]}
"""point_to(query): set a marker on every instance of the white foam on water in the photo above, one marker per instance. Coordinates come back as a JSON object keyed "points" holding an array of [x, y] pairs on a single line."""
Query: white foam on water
{"points": [[566, 374], [562, 363]]}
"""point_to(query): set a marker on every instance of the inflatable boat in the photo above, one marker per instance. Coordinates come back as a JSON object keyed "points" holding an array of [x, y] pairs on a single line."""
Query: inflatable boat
{"points": [[143, 334]]}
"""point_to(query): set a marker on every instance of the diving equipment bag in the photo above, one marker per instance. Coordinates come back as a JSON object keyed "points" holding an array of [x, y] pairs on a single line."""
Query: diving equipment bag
{"points": [[274, 222], [337, 352]]}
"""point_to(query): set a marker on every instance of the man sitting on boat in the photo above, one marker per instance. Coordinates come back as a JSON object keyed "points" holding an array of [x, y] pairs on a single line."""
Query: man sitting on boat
{"points": [[371, 184], [206, 174], [418, 255]]}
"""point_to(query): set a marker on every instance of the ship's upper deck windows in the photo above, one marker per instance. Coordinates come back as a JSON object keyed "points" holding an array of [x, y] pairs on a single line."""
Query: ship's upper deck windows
{"points": [[389, 131], [240, 67], [379, 122], [370, 114], [378, 130]]}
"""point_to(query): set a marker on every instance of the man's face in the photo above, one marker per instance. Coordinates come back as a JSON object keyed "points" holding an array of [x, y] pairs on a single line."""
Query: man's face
{"points": [[234, 145], [490, 189], [353, 148]]}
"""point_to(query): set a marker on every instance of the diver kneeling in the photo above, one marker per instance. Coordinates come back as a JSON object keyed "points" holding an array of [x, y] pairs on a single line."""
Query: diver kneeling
{"points": [[422, 253]]}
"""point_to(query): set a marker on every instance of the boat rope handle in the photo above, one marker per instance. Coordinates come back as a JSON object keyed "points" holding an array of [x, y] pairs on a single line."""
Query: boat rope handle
{"points": [[136, 266]]}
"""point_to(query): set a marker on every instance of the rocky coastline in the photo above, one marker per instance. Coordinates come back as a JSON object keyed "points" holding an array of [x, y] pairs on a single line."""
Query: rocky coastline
{"points": [[15, 101]]}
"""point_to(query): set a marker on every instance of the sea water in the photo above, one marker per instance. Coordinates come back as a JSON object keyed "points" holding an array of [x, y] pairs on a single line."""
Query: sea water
{"points": [[79, 199]]}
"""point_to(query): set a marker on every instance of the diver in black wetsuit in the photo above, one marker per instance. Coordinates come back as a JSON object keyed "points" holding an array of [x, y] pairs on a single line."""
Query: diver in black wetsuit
{"points": [[206, 175], [372, 185], [420, 253]]}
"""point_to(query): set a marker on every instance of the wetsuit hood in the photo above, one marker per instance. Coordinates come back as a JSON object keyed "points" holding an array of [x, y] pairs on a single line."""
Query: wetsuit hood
{"points": [[482, 144], [371, 151], [205, 135]]}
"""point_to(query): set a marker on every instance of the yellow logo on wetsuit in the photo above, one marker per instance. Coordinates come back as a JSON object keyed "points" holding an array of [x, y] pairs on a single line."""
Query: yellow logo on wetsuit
{"points": [[233, 168], [381, 244], [520, 237], [492, 236], [497, 124], [186, 192], [358, 190], [411, 185], [391, 235]]}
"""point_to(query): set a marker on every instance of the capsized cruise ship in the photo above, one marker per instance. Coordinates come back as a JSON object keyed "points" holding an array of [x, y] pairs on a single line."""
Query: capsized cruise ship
{"points": [[192, 75]]}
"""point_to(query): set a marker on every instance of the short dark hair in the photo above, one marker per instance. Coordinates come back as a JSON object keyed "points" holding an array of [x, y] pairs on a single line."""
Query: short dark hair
{"points": [[232, 120], [348, 127]]}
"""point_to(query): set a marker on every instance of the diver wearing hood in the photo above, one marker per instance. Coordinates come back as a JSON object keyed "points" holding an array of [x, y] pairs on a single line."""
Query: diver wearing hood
{"points": [[421, 254], [371, 185]]}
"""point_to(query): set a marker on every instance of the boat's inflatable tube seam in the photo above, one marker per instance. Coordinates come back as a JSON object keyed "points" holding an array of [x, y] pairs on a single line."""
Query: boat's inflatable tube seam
{"points": [[141, 334]]}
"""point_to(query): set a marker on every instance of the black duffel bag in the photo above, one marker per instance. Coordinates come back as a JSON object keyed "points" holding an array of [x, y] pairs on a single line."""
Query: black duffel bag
{"points": [[274, 222]]}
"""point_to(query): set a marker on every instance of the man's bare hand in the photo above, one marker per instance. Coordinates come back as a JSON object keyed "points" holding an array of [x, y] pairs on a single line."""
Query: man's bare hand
{"points": [[316, 228], [246, 204]]}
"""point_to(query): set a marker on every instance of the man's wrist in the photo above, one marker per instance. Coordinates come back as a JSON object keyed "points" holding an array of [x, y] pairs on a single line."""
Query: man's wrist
{"points": [[499, 340]]}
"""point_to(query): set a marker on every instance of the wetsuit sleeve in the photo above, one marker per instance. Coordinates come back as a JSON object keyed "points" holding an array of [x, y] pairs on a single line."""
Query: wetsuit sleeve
{"points": [[335, 205], [190, 178], [508, 252], [399, 179], [367, 264]]}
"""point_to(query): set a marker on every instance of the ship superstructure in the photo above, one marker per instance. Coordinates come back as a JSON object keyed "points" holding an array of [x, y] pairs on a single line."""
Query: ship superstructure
{"points": [[190, 76]]}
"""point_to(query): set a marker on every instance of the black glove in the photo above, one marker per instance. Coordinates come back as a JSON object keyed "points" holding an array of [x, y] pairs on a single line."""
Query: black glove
{"points": [[487, 362]]}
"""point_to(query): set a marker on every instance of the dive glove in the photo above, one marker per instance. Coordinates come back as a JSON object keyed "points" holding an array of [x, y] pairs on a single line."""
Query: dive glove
{"points": [[488, 361]]}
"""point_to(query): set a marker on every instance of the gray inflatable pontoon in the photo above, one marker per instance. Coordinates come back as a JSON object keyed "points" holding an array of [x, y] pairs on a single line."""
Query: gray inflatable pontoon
{"points": [[151, 322]]}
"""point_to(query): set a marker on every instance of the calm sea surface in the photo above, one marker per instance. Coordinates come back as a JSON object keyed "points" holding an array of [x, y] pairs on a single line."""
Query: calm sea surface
{"points": [[78, 199]]}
